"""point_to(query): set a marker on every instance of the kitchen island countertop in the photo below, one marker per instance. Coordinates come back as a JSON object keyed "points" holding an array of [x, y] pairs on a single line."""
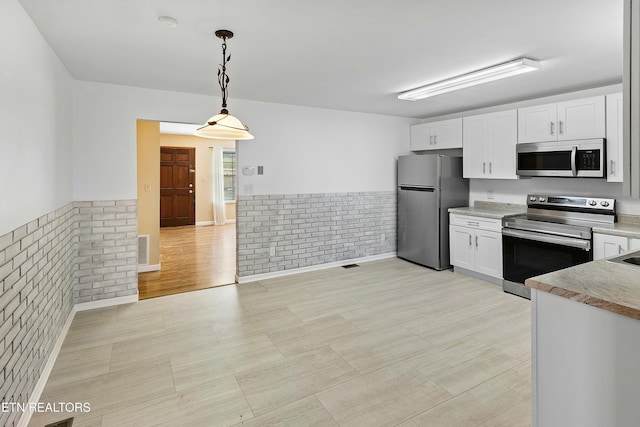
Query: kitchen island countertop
{"points": [[606, 285]]}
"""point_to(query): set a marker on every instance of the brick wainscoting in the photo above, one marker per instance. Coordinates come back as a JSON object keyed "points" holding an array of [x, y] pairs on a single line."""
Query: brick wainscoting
{"points": [[84, 251], [286, 231]]}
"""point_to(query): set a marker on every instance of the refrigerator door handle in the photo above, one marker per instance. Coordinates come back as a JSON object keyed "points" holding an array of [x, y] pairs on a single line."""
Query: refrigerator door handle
{"points": [[417, 188]]}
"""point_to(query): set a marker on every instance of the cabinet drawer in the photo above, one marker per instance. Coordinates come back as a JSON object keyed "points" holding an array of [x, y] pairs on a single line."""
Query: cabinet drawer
{"points": [[476, 222]]}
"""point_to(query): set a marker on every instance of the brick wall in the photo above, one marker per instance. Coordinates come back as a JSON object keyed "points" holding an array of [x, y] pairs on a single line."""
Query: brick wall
{"points": [[107, 250], [84, 251], [286, 231]]}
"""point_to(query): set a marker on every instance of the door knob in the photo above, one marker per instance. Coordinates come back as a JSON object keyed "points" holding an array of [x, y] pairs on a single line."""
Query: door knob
{"points": [[190, 191]]}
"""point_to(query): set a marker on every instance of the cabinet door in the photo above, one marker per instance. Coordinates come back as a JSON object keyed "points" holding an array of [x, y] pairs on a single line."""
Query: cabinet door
{"points": [[581, 118], [461, 247], [634, 244], [472, 144], [614, 138], [488, 256], [537, 123], [448, 134], [421, 137], [605, 245], [499, 146]]}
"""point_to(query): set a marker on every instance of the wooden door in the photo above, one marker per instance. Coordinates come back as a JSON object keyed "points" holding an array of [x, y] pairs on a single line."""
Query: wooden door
{"points": [[177, 186]]}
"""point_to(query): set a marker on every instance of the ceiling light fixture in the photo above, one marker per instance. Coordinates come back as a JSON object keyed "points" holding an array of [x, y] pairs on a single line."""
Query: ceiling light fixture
{"points": [[168, 21], [500, 71], [224, 125]]}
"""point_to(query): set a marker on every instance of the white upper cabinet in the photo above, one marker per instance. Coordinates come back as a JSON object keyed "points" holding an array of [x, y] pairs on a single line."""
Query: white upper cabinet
{"points": [[440, 135], [576, 119], [489, 145], [537, 123], [614, 137]]}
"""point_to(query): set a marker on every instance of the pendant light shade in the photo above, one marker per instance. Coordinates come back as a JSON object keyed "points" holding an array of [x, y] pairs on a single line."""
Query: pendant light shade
{"points": [[224, 125]]}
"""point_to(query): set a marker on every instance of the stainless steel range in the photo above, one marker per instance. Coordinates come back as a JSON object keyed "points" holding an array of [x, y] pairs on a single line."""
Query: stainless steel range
{"points": [[555, 233]]}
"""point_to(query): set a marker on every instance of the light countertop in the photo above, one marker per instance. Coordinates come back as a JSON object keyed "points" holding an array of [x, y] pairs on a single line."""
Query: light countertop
{"points": [[494, 211], [606, 285], [619, 229]]}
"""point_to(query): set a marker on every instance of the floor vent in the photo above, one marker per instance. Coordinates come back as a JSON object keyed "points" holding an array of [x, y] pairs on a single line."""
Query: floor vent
{"points": [[350, 266], [64, 423], [143, 249]]}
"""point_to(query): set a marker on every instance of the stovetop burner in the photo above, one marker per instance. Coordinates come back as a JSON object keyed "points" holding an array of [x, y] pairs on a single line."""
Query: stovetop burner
{"points": [[563, 215]]}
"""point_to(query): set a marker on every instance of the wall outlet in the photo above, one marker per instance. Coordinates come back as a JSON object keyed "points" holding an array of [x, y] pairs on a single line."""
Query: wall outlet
{"points": [[272, 251], [147, 188], [490, 194], [248, 189]]}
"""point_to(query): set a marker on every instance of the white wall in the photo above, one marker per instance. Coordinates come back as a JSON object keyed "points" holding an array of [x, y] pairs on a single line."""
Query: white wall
{"points": [[302, 149], [35, 122], [515, 191]]}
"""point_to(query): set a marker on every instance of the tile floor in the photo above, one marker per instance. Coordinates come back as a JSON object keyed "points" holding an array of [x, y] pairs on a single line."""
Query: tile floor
{"points": [[388, 343]]}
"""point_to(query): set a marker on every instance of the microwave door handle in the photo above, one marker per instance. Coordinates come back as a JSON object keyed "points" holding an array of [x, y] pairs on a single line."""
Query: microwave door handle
{"points": [[574, 169]]}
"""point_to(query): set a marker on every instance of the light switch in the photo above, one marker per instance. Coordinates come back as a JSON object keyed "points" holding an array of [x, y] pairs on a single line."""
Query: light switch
{"points": [[260, 170]]}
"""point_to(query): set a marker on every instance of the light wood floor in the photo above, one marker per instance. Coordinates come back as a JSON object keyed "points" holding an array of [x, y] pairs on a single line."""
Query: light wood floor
{"points": [[387, 343], [191, 258]]}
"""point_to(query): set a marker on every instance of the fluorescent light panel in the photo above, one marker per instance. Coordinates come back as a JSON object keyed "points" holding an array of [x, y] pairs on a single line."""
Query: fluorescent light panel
{"points": [[501, 71]]}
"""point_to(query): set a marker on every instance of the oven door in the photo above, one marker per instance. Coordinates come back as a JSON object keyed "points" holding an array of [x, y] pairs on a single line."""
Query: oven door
{"points": [[527, 254]]}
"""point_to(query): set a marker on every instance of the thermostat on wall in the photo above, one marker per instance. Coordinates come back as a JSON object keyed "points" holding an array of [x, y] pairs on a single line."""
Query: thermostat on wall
{"points": [[248, 170]]}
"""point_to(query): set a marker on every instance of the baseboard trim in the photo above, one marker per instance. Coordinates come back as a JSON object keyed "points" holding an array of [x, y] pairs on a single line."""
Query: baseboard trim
{"points": [[46, 371], [108, 302], [203, 223], [479, 276], [145, 268], [281, 273]]}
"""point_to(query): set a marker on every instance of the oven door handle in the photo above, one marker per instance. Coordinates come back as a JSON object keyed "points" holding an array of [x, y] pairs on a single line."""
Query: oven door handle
{"points": [[585, 245]]}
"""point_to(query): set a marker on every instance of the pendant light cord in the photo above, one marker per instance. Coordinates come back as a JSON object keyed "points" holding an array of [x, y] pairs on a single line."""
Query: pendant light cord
{"points": [[223, 79]]}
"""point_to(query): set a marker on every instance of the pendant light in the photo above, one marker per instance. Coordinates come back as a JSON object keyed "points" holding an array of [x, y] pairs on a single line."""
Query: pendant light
{"points": [[224, 125]]}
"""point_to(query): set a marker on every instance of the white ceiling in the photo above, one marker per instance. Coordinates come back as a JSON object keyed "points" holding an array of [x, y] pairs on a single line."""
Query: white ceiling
{"points": [[351, 55]]}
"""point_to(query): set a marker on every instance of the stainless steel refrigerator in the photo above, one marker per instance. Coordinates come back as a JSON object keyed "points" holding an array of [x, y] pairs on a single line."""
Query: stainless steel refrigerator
{"points": [[428, 185]]}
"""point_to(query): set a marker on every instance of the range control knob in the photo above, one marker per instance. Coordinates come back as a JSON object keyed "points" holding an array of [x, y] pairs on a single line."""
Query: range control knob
{"points": [[532, 199], [542, 199], [592, 203], [604, 203]]}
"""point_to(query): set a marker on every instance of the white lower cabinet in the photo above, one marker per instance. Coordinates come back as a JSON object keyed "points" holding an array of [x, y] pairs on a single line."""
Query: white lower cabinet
{"points": [[476, 244], [608, 245]]}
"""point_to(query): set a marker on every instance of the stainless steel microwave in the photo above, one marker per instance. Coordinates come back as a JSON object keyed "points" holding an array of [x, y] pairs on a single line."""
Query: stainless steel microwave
{"points": [[580, 158]]}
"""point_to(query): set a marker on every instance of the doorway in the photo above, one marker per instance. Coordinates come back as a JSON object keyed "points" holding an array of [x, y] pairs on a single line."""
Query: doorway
{"points": [[181, 257]]}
